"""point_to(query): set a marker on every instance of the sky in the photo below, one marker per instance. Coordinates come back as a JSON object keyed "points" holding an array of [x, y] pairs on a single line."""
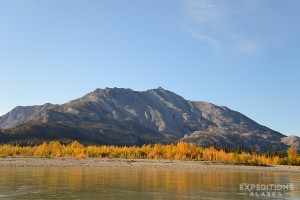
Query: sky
{"points": [[241, 54]]}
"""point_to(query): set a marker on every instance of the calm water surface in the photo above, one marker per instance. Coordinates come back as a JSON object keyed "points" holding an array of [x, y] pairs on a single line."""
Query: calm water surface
{"points": [[127, 183]]}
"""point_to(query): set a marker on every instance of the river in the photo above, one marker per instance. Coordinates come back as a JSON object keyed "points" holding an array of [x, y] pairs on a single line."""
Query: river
{"points": [[130, 183]]}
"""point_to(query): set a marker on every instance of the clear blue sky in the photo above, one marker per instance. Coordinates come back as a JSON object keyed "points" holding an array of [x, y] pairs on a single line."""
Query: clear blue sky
{"points": [[241, 54]]}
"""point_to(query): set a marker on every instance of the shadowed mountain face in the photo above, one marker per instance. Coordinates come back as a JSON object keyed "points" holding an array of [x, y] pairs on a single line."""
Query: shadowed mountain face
{"points": [[126, 117]]}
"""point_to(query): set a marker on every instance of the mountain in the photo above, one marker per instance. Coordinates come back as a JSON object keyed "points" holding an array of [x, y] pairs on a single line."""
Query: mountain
{"points": [[291, 141], [125, 117]]}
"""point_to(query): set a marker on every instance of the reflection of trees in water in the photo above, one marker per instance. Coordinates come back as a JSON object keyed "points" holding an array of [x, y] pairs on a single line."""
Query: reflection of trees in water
{"points": [[154, 182]]}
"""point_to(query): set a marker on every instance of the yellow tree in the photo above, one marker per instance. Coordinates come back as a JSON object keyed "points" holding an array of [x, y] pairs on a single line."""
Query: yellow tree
{"points": [[293, 155]]}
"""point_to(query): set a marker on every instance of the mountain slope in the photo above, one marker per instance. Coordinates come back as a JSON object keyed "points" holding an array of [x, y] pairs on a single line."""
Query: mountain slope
{"points": [[291, 141], [232, 128], [126, 117], [23, 114]]}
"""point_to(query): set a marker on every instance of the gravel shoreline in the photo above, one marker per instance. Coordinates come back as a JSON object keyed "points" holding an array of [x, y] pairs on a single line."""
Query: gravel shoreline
{"points": [[136, 163]]}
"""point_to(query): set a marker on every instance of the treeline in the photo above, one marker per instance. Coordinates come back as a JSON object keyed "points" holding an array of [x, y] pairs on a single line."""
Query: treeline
{"points": [[179, 151], [273, 150]]}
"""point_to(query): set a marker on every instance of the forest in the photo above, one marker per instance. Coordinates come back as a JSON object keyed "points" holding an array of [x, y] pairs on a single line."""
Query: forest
{"points": [[179, 151]]}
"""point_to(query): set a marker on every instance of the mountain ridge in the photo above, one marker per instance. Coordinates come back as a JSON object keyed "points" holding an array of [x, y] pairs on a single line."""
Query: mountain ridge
{"points": [[126, 117]]}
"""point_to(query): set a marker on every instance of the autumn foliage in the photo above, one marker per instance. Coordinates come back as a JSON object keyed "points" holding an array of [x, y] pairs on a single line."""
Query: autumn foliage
{"points": [[179, 151]]}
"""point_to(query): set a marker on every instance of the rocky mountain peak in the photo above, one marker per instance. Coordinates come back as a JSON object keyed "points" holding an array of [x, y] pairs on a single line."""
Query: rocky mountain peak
{"points": [[123, 116]]}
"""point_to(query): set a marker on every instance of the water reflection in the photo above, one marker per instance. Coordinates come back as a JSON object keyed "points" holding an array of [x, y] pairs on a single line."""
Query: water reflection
{"points": [[128, 183]]}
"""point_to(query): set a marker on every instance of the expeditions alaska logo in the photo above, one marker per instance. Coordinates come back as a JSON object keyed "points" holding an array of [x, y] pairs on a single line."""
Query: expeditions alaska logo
{"points": [[266, 190]]}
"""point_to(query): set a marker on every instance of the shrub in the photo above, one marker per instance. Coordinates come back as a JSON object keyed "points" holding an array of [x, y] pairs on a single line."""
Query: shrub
{"points": [[179, 151]]}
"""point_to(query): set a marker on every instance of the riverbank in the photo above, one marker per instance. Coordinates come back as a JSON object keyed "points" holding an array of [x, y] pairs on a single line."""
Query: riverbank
{"points": [[137, 163]]}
